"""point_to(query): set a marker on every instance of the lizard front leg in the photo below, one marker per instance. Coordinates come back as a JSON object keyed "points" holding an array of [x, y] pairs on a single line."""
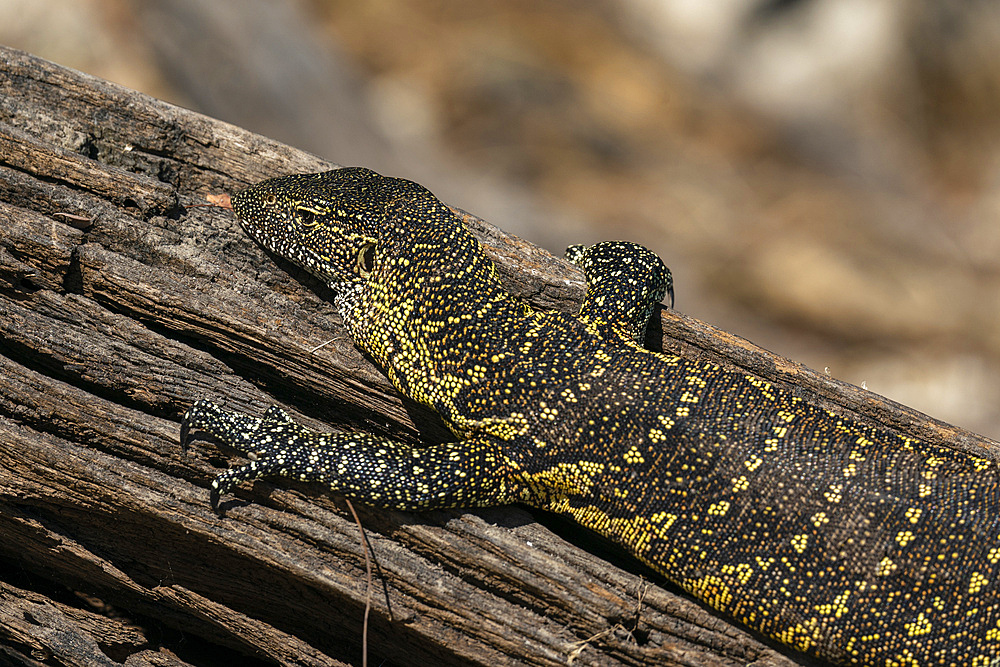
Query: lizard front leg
{"points": [[377, 471], [625, 281]]}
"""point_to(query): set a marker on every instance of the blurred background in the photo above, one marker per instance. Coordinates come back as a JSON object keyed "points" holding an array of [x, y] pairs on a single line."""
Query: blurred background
{"points": [[823, 176]]}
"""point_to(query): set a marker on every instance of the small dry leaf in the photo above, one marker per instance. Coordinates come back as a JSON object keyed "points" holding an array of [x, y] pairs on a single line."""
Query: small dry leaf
{"points": [[78, 221], [222, 201]]}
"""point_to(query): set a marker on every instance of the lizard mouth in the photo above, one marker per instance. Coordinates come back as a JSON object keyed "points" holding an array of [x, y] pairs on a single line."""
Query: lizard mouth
{"points": [[311, 262]]}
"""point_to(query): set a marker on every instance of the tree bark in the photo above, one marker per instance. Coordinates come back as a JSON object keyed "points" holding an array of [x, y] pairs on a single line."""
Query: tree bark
{"points": [[120, 305]]}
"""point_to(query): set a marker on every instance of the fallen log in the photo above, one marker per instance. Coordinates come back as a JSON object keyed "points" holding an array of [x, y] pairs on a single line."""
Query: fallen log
{"points": [[121, 304]]}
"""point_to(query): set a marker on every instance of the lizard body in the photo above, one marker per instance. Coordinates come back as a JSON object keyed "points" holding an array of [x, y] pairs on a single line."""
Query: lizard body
{"points": [[844, 542]]}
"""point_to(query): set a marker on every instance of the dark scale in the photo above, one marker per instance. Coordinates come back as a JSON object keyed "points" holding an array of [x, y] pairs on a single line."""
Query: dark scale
{"points": [[841, 541]]}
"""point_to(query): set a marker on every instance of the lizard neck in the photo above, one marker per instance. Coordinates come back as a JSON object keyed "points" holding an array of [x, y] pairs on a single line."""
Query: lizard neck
{"points": [[425, 313]]}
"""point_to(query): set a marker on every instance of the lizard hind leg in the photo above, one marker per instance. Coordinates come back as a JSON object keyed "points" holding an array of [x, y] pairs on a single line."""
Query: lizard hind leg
{"points": [[625, 281]]}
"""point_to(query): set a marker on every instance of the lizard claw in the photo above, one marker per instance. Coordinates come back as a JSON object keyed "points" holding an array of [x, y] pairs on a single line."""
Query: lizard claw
{"points": [[192, 420], [231, 478]]}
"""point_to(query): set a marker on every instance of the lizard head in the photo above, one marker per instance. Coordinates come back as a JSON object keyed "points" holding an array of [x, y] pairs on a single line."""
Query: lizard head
{"points": [[328, 223]]}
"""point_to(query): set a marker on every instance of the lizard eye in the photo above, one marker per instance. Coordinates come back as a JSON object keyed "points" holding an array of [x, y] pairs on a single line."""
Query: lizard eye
{"points": [[366, 259], [270, 198]]}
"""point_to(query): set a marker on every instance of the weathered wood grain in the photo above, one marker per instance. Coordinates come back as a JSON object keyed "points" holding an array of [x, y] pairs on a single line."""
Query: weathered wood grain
{"points": [[120, 306]]}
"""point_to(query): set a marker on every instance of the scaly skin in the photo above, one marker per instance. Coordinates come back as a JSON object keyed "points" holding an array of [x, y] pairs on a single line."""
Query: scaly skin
{"points": [[844, 542]]}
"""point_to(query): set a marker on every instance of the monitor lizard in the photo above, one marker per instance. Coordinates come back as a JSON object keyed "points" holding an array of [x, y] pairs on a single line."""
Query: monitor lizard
{"points": [[848, 543]]}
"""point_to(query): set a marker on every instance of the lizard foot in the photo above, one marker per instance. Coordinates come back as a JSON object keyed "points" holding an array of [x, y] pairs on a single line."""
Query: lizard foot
{"points": [[265, 441]]}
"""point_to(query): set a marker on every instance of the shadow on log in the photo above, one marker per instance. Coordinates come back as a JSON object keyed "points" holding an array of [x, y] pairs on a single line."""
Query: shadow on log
{"points": [[120, 305]]}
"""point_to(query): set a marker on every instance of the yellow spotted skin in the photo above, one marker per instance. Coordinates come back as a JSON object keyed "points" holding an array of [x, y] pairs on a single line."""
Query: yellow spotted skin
{"points": [[847, 543]]}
